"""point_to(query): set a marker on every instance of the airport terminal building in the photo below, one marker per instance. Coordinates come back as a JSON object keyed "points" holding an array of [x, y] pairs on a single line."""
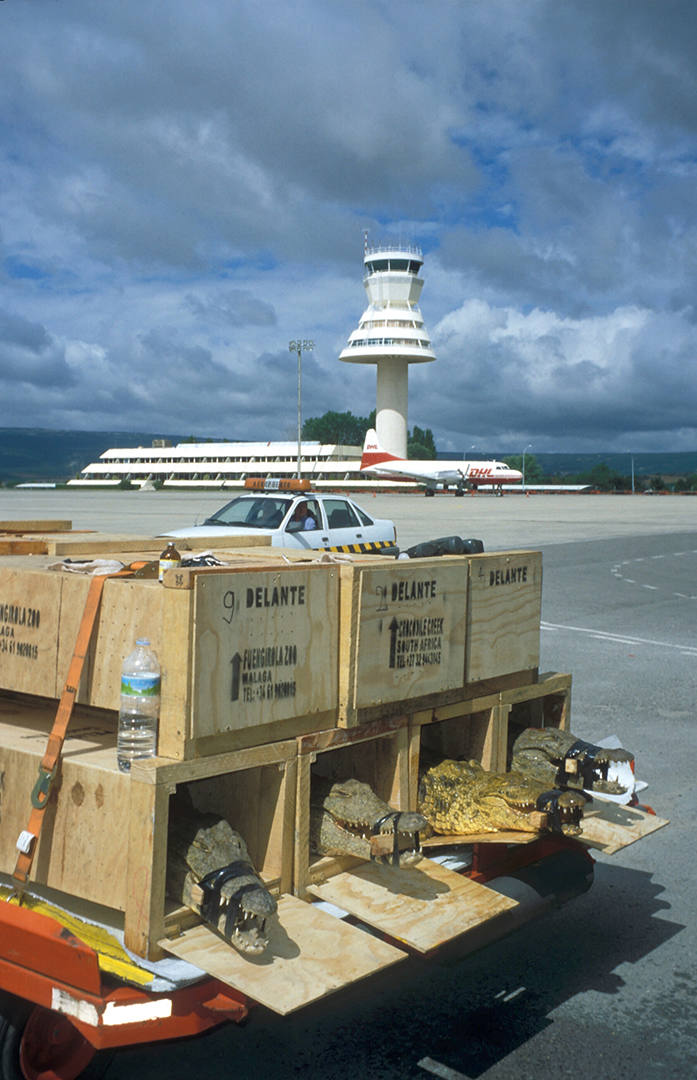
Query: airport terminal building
{"points": [[223, 465]]}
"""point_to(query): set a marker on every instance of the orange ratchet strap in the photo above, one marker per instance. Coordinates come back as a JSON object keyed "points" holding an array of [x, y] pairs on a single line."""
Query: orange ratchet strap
{"points": [[27, 841]]}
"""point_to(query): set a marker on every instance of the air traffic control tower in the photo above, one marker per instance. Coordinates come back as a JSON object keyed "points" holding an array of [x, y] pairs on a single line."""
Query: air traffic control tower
{"points": [[391, 334]]}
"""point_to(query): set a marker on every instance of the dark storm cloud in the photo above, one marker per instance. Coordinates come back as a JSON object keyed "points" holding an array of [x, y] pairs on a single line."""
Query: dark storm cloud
{"points": [[185, 189], [28, 354], [557, 379]]}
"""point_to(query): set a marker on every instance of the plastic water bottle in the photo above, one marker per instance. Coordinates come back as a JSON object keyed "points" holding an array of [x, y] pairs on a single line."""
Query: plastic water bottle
{"points": [[140, 706]]}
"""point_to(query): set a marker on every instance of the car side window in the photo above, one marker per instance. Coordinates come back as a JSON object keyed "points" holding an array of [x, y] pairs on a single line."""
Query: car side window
{"points": [[305, 516], [340, 514], [364, 519]]}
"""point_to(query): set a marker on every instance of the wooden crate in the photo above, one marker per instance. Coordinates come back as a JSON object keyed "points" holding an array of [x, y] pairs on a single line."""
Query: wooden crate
{"points": [[262, 661], [235, 672], [103, 849], [503, 616], [59, 539], [128, 547], [34, 537], [40, 613], [402, 638], [104, 837], [33, 525]]}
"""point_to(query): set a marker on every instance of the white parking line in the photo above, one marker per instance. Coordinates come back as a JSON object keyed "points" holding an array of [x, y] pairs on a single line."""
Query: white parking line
{"points": [[436, 1069], [621, 639]]}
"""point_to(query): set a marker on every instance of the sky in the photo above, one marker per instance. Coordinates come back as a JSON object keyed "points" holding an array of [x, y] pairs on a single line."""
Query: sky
{"points": [[184, 188]]}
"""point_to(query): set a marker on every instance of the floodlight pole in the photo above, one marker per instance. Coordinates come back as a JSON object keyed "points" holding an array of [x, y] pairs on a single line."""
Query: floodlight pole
{"points": [[298, 346], [528, 447]]}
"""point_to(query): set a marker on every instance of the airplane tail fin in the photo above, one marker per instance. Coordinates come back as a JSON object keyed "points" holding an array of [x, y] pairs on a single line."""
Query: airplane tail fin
{"points": [[373, 453]]}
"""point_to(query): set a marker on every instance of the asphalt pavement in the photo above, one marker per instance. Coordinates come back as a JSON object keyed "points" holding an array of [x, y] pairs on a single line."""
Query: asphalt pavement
{"points": [[604, 987], [510, 521]]}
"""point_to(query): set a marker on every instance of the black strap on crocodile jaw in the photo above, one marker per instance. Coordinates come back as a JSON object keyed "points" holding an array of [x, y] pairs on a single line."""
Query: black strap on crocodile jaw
{"points": [[393, 816], [211, 886], [588, 764], [554, 813], [548, 803]]}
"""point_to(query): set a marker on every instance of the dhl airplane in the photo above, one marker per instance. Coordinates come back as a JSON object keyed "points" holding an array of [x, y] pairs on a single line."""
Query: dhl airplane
{"points": [[434, 474]]}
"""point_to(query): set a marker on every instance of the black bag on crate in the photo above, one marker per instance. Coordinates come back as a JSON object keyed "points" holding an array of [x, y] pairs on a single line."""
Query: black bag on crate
{"points": [[445, 545]]}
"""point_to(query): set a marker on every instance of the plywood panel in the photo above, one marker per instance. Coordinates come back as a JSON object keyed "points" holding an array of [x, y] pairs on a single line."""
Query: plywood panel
{"points": [[29, 620], [33, 526], [403, 631], [265, 648], [131, 609], [23, 547], [83, 845], [423, 906], [505, 602], [311, 954], [610, 827], [40, 615]]}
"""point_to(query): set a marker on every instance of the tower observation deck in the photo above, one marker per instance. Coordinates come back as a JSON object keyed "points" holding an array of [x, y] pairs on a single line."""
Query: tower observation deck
{"points": [[391, 334]]}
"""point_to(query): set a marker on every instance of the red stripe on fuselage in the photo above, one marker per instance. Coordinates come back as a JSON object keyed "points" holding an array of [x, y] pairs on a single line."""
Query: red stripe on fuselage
{"points": [[373, 456]]}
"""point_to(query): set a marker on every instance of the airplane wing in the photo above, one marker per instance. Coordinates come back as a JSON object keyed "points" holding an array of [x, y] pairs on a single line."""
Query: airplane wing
{"points": [[546, 487]]}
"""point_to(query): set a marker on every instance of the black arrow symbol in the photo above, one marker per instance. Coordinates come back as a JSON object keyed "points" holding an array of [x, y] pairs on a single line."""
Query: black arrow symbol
{"points": [[236, 663], [394, 626]]}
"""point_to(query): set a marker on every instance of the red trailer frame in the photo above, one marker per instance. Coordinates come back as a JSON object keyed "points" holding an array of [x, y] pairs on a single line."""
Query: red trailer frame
{"points": [[58, 1008], [64, 1010]]}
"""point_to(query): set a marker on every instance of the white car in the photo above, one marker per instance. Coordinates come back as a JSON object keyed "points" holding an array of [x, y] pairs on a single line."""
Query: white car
{"points": [[296, 520]]}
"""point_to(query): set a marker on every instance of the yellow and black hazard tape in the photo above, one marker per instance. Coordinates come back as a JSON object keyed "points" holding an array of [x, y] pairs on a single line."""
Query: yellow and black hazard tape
{"points": [[361, 549]]}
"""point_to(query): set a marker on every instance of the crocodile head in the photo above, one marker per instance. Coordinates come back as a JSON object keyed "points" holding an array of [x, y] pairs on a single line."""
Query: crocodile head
{"points": [[460, 797], [209, 870], [348, 818], [239, 905], [559, 758]]}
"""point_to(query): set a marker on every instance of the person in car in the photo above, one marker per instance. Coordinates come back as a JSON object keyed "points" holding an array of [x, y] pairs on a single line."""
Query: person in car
{"points": [[302, 514]]}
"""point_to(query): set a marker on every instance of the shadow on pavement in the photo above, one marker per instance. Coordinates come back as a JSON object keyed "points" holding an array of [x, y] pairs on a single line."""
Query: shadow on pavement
{"points": [[467, 1013]]}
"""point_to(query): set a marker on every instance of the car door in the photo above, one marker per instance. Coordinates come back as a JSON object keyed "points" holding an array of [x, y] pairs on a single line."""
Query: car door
{"points": [[344, 527], [291, 534]]}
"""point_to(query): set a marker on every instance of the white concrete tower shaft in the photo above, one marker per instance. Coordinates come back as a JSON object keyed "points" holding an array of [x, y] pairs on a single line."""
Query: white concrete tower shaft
{"points": [[391, 335]]}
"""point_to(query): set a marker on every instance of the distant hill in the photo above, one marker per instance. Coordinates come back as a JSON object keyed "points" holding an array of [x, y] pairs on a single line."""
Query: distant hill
{"points": [[39, 454], [655, 464], [663, 464]]}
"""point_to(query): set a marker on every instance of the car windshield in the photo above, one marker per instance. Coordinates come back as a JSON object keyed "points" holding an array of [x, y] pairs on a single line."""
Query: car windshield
{"points": [[252, 512]]}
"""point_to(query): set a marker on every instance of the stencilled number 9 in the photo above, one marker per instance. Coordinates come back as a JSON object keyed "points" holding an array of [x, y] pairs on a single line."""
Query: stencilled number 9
{"points": [[229, 605]]}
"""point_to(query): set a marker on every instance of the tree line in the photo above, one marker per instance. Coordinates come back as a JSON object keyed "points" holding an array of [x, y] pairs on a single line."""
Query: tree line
{"points": [[348, 430], [600, 478]]}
